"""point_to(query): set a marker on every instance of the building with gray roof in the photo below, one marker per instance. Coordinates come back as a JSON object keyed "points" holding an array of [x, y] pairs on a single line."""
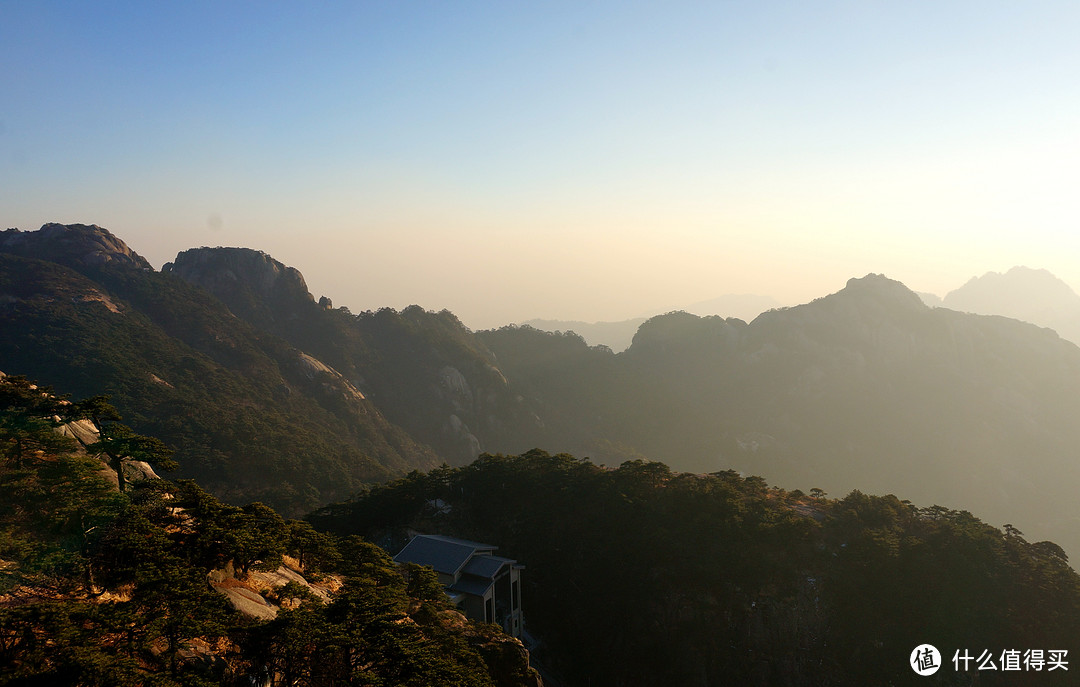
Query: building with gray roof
{"points": [[485, 587]]}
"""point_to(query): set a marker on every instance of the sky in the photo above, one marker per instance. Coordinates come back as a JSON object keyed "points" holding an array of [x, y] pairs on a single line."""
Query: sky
{"points": [[586, 160]]}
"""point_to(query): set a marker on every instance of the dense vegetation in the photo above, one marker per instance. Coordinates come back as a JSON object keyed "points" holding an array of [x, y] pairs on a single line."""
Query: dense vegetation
{"points": [[642, 576], [99, 587], [637, 575], [244, 417], [426, 372], [866, 388]]}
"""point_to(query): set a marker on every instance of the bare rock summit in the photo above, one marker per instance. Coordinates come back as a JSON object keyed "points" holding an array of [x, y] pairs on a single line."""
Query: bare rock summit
{"points": [[75, 245]]}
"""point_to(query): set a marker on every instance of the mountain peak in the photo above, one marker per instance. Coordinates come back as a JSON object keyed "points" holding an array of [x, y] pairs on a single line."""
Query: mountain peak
{"points": [[880, 290], [862, 305], [1023, 293], [218, 269], [1019, 293], [86, 245]]}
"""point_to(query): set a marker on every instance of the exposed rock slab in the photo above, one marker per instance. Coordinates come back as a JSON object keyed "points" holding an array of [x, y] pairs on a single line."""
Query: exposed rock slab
{"points": [[73, 244]]}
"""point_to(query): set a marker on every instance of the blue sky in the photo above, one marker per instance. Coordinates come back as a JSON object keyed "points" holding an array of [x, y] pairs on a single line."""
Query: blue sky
{"points": [[577, 160]]}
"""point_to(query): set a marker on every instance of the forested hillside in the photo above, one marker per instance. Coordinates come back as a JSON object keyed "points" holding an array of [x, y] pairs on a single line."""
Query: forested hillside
{"points": [[644, 576], [112, 589], [266, 393], [247, 414], [424, 370]]}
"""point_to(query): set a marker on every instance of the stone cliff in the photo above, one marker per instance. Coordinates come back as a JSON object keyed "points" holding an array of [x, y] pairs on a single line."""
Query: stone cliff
{"points": [[85, 245]]}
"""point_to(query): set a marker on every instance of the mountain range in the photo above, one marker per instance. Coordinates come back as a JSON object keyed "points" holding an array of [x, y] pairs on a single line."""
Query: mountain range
{"points": [[249, 415], [1022, 293], [266, 393]]}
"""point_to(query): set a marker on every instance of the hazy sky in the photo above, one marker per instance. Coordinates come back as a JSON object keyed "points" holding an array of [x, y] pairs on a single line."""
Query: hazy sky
{"points": [[578, 160]]}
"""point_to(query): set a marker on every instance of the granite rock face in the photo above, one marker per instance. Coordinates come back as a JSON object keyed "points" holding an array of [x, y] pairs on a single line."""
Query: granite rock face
{"points": [[248, 281], [248, 594], [84, 245]]}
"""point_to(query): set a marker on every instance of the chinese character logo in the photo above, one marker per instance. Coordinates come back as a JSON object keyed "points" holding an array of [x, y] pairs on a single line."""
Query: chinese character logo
{"points": [[925, 660]]}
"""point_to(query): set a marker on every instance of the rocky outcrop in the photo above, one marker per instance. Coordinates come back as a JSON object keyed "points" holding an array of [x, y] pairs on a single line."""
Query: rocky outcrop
{"points": [[244, 600], [507, 660], [209, 267], [75, 245], [332, 381], [460, 434], [246, 595], [82, 431], [249, 281], [85, 433]]}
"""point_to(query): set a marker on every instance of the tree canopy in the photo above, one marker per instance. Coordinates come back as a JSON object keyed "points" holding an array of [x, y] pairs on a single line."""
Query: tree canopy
{"points": [[106, 587], [641, 576]]}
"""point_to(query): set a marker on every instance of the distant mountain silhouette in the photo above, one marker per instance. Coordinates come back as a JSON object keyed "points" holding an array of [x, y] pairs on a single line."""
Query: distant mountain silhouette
{"points": [[743, 306], [267, 393], [1031, 295], [619, 335], [931, 299], [866, 388], [615, 335]]}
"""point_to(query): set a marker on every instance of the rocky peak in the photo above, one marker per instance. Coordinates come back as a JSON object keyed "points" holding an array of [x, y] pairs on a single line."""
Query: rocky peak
{"points": [[855, 312], [85, 245], [882, 291], [224, 270]]}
